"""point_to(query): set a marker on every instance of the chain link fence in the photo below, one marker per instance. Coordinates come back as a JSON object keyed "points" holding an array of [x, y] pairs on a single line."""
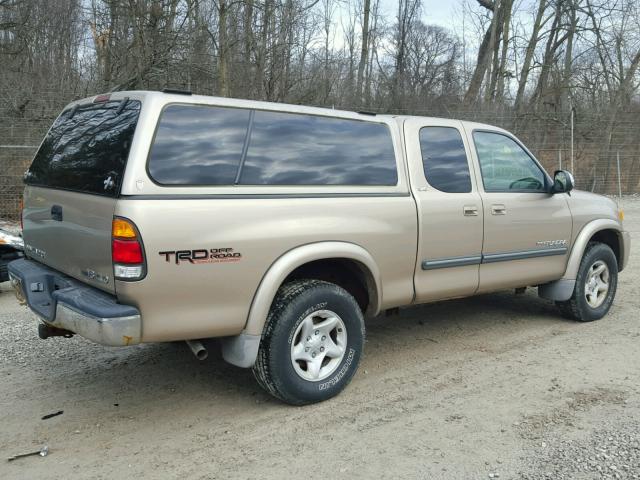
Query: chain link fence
{"points": [[602, 153], [604, 156], [14, 160]]}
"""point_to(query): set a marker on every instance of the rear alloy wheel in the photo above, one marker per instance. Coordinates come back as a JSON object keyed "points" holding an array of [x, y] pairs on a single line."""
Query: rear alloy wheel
{"points": [[595, 287], [311, 344]]}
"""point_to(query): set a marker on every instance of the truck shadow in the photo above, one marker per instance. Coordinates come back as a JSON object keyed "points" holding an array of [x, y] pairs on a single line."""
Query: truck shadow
{"points": [[168, 374], [480, 322], [167, 383]]}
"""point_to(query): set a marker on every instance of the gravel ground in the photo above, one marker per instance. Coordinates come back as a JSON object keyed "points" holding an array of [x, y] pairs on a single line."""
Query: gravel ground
{"points": [[494, 386], [606, 453]]}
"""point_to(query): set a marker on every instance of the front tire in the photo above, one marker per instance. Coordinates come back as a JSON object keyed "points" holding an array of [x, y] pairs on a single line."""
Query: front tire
{"points": [[312, 342], [596, 285]]}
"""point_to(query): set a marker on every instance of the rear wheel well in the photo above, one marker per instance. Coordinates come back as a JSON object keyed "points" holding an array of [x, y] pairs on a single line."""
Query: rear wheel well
{"points": [[610, 238], [349, 274]]}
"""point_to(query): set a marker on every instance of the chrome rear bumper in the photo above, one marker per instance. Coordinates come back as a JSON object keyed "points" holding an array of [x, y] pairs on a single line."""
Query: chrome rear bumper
{"points": [[115, 332], [65, 303]]}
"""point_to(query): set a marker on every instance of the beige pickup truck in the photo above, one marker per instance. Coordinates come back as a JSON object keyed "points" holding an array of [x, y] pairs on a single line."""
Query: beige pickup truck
{"points": [[164, 216]]}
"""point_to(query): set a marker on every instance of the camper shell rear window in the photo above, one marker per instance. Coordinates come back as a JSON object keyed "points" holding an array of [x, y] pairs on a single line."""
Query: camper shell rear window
{"points": [[86, 149]]}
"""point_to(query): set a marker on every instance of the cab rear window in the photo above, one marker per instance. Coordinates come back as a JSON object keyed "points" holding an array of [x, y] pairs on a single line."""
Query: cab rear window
{"points": [[207, 145], [86, 149]]}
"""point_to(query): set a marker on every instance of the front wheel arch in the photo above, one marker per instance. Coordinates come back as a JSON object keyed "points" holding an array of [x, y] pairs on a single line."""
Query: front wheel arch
{"points": [[591, 229], [612, 239]]}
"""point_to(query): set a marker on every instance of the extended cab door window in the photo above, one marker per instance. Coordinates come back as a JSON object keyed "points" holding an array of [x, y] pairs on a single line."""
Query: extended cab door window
{"points": [[449, 209], [444, 159]]}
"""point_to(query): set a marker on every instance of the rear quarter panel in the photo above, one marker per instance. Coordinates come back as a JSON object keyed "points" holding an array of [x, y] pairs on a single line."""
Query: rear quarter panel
{"points": [[195, 300]]}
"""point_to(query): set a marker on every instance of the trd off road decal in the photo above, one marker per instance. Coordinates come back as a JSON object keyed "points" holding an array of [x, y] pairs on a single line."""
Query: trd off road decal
{"points": [[213, 255]]}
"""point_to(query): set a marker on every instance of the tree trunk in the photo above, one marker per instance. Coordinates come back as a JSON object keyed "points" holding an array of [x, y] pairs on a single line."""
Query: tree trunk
{"points": [[484, 54], [502, 68], [528, 57], [223, 49], [364, 51], [548, 58], [248, 44], [565, 98], [494, 48]]}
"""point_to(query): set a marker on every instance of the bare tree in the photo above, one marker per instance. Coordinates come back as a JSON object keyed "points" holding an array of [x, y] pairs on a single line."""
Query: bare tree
{"points": [[535, 63], [530, 50], [364, 49], [487, 51]]}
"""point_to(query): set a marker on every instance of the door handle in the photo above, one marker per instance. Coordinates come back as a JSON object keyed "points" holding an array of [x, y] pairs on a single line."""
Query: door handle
{"points": [[498, 209], [56, 213], [470, 210]]}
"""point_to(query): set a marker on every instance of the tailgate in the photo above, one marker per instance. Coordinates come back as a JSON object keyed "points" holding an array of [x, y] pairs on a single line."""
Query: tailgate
{"points": [[73, 185], [75, 239]]}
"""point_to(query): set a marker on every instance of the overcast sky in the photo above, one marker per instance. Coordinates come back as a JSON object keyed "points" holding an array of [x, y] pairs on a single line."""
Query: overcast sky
{"points": [[438, 12]]}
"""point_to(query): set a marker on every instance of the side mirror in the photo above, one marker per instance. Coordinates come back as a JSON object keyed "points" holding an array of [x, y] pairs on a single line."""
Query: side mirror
{"points": [[562, 182]]}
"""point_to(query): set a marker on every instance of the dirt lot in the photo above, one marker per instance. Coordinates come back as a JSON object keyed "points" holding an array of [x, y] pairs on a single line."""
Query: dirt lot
{"points": [[496, 386]]}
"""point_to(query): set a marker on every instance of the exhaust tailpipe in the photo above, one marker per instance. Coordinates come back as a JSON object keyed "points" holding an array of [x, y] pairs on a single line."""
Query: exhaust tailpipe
{"points": [[198, 349]]}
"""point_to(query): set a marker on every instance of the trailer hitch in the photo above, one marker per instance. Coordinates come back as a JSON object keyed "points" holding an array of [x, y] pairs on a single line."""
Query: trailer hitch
{"points": [[45, 331]]}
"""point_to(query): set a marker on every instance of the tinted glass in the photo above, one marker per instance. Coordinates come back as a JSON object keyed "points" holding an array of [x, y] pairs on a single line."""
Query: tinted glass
{"points": [[86, 150], [505, 166], [444, 159], [293, 149], [198, 145]]}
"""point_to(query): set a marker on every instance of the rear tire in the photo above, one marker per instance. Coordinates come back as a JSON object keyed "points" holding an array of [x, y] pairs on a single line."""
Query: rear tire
{"points": [[312, 342], [596, 285]]}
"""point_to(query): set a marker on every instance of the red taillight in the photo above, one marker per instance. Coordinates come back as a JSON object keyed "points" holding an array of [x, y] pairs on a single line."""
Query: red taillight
{"points": [[128, 252]]}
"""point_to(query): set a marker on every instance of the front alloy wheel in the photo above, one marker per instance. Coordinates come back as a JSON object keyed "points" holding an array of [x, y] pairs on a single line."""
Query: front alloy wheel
{"points": [[596, 285]]}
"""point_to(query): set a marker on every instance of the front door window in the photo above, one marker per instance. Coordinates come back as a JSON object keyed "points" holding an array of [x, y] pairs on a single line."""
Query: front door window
{"points": [[506, 166]]}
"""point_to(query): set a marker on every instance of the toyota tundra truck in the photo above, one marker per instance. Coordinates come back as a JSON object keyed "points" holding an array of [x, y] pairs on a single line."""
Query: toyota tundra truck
{"points": [[166, 216]]}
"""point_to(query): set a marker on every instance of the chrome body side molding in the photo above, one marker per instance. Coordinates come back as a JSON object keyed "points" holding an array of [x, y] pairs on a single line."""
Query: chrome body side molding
{"points": [[491, 258]]}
